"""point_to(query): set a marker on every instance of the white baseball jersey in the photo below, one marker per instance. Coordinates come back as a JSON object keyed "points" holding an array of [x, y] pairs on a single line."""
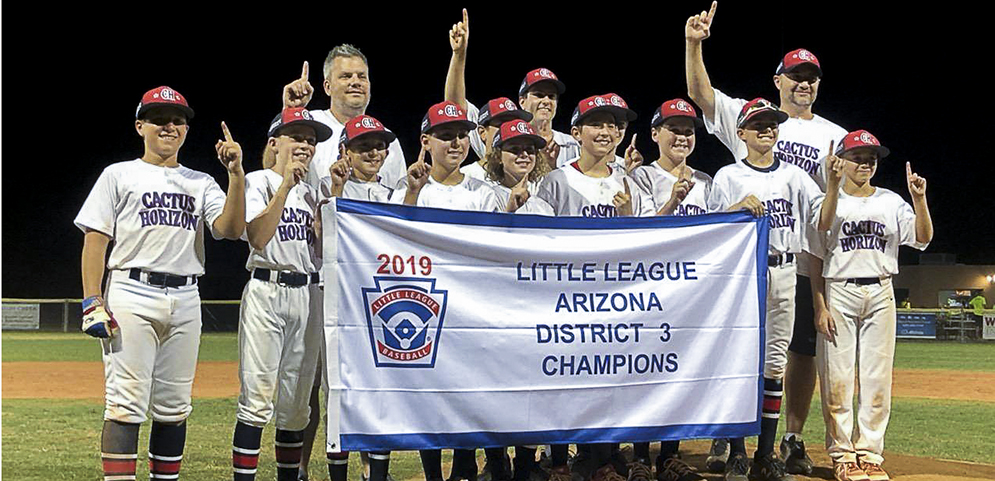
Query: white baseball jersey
{"points": [[533, 205], [656, 182], [155, 215], [359, 190], [474, 170], [803, 143], [292, 246], [785, 191], [571, 193], [326, 153], [866, 233], [469, 194]]}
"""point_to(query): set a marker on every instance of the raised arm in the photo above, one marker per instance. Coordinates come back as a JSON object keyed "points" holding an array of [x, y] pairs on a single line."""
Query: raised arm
{"points": [[697, 29], [231, 223], [455, 78], [917, 187], [834, 176], [298, 93]]}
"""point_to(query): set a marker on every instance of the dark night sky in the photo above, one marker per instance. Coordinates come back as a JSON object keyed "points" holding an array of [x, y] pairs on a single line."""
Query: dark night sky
{"points": [[914, 78]]}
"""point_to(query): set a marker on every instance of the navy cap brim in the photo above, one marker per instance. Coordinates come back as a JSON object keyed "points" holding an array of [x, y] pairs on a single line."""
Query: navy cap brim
{"points": [[146, 107], [322, 132], [560, 86]]}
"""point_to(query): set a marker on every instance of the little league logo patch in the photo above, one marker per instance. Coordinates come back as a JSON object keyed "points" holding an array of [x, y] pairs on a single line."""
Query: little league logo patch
{"points": [[405, 317]]}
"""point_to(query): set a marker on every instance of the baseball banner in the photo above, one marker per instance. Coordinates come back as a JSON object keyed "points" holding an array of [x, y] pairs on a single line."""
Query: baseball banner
{"points": [[466, 329]]}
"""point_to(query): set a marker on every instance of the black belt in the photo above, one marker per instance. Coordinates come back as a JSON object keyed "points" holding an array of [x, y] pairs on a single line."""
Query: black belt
{"points": [[295, 279], [863, 281], [161, 279], [777, 260]]}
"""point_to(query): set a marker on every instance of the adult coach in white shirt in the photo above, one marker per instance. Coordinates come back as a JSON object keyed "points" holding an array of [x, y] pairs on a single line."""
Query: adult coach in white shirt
{"points": [[347, 84], [802, 141]]}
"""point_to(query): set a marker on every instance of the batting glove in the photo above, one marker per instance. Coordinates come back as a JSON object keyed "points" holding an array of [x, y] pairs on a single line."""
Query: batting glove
{"points": [[97, 322]]}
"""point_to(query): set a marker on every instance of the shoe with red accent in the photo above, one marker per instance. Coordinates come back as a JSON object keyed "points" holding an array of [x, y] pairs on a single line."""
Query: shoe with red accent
{"points": [[874, 471], [849, 471]]}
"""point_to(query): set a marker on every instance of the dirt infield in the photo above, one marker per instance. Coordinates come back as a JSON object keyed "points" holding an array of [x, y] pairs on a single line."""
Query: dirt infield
{"points": [[84, 380], [219, 379]]}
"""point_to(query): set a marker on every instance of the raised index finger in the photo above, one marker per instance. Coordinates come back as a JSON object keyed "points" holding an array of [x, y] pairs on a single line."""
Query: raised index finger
{"points": [[466, 21], [626, 184], [304, 71], [908, 169], [224, 129], [711, 11]]}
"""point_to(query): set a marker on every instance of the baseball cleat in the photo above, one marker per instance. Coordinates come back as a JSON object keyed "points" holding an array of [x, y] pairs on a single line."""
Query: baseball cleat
{"points": [[718, 454], [873, 471], [639, 471], [736, 467], [849, 471], [769, 467], [795, 458], [674, 469]]}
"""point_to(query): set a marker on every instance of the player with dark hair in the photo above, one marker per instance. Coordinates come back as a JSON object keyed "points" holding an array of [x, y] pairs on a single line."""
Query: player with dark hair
{"points": [[154, 211], [801, 142], [866, 225]]}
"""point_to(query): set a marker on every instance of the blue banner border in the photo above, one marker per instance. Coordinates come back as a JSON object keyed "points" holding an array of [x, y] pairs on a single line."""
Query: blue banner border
{"points": [[367, 442]]}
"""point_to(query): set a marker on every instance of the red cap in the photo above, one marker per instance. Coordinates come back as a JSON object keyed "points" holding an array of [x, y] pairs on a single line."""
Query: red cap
{"points": [[759, 106], [861, 138], [362, 125], [541, 75], [299, 116], [163, 96], [618, 101], [796, 58], [445, 113], [596, 103], [514, 129], [675, 108], [501, 110]]}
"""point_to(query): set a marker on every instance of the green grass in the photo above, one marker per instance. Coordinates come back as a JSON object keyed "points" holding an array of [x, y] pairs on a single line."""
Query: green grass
{"points": [[945, 355], [944, 429], [70, 446], [74, 346]]}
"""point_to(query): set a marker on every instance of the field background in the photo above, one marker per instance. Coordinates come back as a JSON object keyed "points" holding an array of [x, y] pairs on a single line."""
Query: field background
{"points": [[941, 427]]}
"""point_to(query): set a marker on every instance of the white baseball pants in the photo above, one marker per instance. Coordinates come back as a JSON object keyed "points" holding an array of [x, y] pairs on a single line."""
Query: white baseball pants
{"points": [[278, 351], [152, 360], [781, 282], [865, 347]]}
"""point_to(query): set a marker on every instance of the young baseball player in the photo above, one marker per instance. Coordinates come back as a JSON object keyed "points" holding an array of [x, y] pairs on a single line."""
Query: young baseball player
{"points": [[784, 193], [362, 149], [866, 224], [801, 141], [588, 186], [446, 139], [278, 346], [147, 315], [515, 166], [676, 189]]}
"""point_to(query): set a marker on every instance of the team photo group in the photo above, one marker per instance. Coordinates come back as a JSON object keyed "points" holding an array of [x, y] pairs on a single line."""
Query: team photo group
{"points": [[828, 311]]}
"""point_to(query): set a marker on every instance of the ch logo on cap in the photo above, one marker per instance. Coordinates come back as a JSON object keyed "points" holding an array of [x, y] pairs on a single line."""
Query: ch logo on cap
{"points": [[521, 127], [306, 114], [617, 101], [368, 123], [508, 105], [805, 55], [451, 111], [545, 73], [682, 106], [867, 138], [167, 94], [599, 102]]}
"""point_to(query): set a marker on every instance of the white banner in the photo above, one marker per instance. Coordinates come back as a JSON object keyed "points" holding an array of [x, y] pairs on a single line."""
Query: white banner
{"points": [[988, 331], [465, 329]]}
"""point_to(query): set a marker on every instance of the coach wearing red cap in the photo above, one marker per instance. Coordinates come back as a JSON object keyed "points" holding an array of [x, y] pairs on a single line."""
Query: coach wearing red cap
{"points": [[803, 141]]}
